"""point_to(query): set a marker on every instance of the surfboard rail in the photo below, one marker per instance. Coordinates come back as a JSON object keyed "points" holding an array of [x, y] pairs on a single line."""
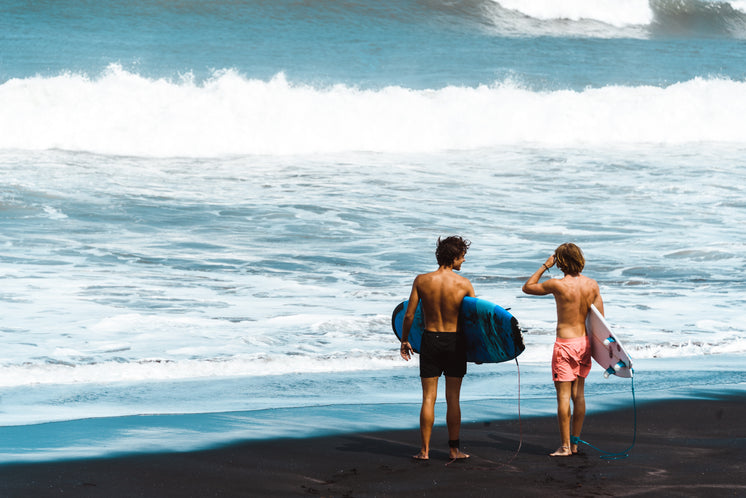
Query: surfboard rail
{"points": [[493, 335], [606, 349]]}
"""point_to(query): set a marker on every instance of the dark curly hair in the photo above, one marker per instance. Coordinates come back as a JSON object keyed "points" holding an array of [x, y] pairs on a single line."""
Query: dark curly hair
{"points": [[451, 248]]}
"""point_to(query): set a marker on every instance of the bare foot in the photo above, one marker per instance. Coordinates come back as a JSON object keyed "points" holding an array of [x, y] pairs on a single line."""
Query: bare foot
{"points": [[574, 440], [562, 451], [457, 454], [421, 456]]}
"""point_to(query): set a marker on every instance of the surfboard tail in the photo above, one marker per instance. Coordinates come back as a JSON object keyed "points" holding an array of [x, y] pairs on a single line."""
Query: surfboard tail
{"points": [[517, 336], [492, 334]]}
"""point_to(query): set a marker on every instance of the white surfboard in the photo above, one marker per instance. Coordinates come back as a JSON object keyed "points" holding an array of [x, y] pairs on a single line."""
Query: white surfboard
{"points": [[605, 347]]}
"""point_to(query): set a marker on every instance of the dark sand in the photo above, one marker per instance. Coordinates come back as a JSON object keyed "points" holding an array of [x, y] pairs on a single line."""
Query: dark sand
{"points": [[684, 448]]}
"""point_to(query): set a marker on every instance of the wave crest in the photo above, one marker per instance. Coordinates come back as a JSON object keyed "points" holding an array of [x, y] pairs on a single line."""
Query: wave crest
{"points": [[620, 18], [697, 17], [613, 12], [122, 113]]}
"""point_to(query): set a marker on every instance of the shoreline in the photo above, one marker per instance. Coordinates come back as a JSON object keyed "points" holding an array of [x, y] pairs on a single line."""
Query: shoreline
{"points": [[684, 447], [104, 436]]}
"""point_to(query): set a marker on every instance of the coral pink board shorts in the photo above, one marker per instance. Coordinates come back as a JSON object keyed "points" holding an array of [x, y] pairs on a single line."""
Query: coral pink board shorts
{"points": [[571, 358]]}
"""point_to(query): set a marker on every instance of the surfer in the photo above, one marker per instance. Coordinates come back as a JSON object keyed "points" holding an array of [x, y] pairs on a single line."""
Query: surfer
{"points": [[443, 349], [571, 357]]}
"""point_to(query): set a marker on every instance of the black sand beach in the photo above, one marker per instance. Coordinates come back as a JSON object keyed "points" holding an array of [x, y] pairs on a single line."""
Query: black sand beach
{"points": [[686, 447]]}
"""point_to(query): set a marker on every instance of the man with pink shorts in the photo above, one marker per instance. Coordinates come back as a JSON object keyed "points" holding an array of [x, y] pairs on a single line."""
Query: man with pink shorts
{"points": [[571, 358]]}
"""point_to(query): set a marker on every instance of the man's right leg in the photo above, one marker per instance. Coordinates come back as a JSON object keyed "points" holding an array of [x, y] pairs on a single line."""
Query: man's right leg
{"points": [[427, 414], [564, 392], [578, 409]]}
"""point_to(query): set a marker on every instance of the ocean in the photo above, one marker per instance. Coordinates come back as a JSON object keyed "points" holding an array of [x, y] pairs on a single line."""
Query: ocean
{"points": [[209, 210]]}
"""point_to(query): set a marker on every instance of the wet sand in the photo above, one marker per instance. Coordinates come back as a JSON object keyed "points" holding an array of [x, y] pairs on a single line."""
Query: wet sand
{"points": [[689, 447]]}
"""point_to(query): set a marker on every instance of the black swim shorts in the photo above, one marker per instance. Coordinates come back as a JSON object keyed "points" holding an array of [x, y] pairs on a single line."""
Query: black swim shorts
{"points": [[442, 353]]}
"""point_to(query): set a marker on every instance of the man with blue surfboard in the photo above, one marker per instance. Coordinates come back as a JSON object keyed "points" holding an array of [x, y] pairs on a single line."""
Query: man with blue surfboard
{"points": [[443, 349], [571, 358]]}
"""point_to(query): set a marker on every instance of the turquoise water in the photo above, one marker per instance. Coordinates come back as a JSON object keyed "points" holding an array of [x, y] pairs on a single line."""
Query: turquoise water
{"points": [[211, 208], [410, 43], [491, 394]]}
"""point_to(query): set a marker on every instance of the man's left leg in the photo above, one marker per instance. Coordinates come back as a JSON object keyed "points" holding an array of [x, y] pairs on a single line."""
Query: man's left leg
{"points": [[453, 416], [578, 409]]}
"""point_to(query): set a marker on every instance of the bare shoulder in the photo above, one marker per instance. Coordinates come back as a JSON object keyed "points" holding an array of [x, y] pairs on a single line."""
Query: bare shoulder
{"points": [[462, 278], [590, 287], [424, 280], [466, 286], [462, 281], [589, 282], [423, 277]]}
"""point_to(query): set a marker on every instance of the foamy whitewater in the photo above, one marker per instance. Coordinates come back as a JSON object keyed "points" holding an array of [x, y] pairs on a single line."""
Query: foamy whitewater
{"points": [[209, 210]]}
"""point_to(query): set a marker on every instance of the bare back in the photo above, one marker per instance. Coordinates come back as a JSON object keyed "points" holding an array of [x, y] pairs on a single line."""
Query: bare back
{"points": [[574, 296], [441, 293]]}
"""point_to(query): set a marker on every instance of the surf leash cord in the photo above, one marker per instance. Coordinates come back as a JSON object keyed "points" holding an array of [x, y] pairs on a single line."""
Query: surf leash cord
{"points": [[622, 454], [520, 425]]}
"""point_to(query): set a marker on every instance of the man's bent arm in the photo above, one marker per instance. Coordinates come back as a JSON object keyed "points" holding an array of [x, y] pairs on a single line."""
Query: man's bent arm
{"points": [[599, 302], [533, 286]]}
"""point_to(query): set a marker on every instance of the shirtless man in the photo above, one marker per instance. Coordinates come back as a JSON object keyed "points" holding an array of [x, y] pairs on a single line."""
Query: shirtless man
{"points": [[571, 358], [443, 349]]}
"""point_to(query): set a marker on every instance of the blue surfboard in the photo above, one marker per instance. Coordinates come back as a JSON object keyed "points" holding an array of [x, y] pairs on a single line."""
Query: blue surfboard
{"points": [[492, 334]]}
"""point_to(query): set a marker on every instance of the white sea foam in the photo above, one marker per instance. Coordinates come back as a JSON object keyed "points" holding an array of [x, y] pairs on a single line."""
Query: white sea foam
{"points": [[739, 5], [637, 19], [262, 365], [126, 114], [158, 370], [614, 12], [331, 353]]}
